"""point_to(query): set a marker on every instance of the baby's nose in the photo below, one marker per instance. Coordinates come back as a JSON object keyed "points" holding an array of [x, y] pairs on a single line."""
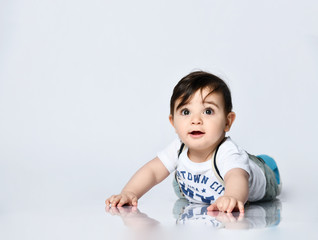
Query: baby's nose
{"points": [[196, 119]]}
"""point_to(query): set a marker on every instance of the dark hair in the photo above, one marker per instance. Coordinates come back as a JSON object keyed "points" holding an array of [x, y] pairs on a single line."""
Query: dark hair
{"points": [[200, 80]]}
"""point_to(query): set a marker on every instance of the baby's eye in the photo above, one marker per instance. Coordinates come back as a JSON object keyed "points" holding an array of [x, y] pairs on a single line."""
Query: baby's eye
{"points": [[208, 111], [185, 112]]}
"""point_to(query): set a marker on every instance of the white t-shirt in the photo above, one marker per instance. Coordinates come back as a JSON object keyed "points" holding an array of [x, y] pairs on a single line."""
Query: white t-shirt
{"points": [[198, 181]]}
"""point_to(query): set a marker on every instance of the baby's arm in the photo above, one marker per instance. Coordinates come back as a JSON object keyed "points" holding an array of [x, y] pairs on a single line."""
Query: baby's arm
{"points": [[236, 192], [142, 181]]}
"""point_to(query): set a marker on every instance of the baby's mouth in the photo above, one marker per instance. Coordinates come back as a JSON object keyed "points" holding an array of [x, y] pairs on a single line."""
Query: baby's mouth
{"points": [[196, 133]]}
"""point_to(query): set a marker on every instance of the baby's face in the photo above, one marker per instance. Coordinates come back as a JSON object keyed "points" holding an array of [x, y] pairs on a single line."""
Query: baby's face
{"points": [[201, 123]]}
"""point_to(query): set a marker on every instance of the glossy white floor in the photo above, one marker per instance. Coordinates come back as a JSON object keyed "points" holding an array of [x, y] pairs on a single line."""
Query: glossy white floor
{"points": [[158, 216]]}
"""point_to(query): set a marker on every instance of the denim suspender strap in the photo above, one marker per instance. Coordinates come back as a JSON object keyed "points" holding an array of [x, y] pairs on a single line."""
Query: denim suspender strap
{"points": [[179, 191], [181, 149], [214, 165]]}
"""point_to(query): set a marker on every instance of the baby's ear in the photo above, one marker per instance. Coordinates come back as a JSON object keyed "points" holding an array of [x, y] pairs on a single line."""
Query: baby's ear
{"points": [[229, 121], [171, 120]]}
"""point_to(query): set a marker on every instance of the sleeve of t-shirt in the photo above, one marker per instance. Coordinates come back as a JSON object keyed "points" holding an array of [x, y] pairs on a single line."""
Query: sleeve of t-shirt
{"points": [[169, 155], [231, 156]]}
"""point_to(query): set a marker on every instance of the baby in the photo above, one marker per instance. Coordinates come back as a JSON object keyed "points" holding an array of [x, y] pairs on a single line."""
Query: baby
{"points": [[209, 167]]}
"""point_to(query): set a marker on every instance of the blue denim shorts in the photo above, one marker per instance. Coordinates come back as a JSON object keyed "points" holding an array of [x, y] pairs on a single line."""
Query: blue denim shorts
{"points": [[270, 169]]}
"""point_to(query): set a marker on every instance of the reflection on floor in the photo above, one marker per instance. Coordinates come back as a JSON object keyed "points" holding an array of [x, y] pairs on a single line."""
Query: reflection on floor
{"points": [[257, 215], [132, 217]]}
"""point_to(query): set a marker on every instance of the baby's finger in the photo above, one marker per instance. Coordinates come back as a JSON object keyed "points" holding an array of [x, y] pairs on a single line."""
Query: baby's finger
{"points": [[223, 204], [115, 201], [212, 207], [240, 206], [122, 201], [134, 201], [108, 200], [231, 206]]}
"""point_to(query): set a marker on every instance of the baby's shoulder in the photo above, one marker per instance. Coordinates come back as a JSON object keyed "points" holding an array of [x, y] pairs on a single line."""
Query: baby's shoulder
{"points": [[230, 148], [230, 145]]}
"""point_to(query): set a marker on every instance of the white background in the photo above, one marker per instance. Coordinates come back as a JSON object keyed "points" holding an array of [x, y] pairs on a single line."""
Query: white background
{"points": [[85, 89]]}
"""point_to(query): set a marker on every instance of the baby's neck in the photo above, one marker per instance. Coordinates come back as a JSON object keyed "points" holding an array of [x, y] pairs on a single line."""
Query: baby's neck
{"points": [[200, 156]]}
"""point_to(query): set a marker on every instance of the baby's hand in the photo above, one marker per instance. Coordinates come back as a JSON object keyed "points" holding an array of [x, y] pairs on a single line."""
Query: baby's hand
{"points": [[124, 198], [226, 204]]}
